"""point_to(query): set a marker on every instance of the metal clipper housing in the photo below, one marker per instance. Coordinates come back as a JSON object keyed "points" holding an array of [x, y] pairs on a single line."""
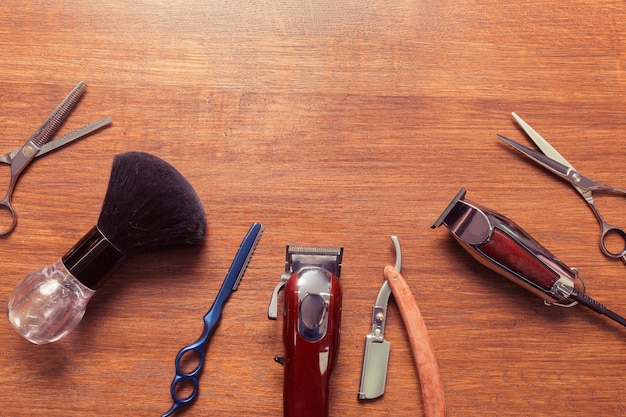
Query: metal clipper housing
{"points": [[312, 315], [501, 245]]}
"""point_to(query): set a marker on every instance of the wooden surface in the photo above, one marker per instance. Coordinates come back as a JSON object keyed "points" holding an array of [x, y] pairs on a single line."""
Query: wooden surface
{"points": [[332, 123]]}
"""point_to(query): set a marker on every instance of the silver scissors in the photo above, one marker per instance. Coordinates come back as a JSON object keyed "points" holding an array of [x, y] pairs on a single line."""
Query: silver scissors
{"points": [[195, 352], [555, 163], [40, 144]]}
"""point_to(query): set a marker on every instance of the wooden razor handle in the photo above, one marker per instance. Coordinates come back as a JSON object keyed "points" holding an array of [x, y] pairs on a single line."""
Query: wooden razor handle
{"points": [[423, 353]]}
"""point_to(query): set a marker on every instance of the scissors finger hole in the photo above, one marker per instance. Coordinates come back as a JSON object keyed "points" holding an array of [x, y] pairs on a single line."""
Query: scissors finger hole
{"points": [[5, 177], [190, 361], [614, 242], [7, 218]]}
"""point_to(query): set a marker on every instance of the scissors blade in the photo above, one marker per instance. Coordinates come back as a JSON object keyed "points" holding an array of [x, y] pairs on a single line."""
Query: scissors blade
{"points": [[579, 181], [541, 143], [543, 160], [68, 138], [44, 133], [54, 121]]}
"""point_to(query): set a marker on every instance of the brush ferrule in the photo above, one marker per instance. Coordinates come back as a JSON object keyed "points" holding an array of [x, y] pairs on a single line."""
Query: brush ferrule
{"points": [[92, 258]]}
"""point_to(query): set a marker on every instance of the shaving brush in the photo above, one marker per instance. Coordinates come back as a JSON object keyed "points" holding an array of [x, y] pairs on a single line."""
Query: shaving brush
{"points": [[148, 206]]}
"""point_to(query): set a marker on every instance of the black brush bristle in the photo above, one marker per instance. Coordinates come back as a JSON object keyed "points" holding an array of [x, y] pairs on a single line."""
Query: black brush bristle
{"points": [[149, 205]]}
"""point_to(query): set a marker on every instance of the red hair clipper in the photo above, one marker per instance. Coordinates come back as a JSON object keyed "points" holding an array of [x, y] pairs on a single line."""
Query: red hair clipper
{"points": [[312, 314]]}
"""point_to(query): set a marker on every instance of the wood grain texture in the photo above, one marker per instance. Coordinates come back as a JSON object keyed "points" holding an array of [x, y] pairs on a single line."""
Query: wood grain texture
{"points": [[333, 123]]}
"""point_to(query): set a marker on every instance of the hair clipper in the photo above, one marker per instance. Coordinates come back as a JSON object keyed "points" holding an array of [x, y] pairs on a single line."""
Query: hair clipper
{"points": [[501, 245], [311, 320]]}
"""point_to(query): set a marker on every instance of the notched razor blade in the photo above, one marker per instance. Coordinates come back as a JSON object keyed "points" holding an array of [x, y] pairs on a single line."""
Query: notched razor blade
{"points": [[257, 229]]}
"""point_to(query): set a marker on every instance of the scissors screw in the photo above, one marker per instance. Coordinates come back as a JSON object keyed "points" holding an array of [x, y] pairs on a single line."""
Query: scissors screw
{"points": [[576, 177], [28, 150]]}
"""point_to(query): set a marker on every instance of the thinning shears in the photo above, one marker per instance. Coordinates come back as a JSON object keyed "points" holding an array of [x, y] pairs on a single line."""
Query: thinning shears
{"points": [[558, 165], [195, 352], [40, 143]]}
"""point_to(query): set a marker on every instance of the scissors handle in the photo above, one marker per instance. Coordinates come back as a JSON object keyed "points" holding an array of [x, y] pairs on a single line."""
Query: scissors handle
{"points": [[9, 212], [7, 206], [608, 230]]}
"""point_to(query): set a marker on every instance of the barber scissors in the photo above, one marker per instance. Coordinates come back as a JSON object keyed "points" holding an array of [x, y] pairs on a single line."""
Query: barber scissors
{"points": [[195, 352], [555, 163], [39, 144]]}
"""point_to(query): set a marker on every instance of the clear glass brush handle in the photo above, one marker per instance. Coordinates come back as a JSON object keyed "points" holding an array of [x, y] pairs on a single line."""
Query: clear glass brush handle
{"points": [[47, 304]]}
